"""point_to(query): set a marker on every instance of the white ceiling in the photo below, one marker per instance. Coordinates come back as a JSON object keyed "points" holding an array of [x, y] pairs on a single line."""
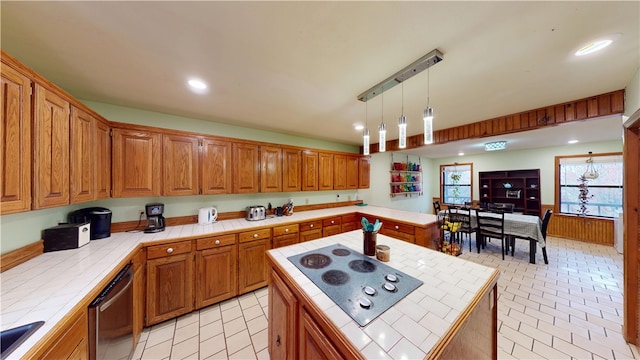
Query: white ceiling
{"points": [[297, 67]]}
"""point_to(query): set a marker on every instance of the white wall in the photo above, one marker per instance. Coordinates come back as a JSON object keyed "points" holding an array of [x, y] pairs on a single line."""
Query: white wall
{"points": [[632, 95]]}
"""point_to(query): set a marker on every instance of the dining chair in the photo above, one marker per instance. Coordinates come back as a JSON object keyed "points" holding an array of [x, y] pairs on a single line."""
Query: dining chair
{"points": [[462, 216], [543, 230], [436, 207], [490, 225]]}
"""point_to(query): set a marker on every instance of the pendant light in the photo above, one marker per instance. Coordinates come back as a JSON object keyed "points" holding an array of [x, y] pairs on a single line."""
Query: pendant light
{"points": [[365, 132], [591, 172], [427, 116], [402, 125], [382, 129]]}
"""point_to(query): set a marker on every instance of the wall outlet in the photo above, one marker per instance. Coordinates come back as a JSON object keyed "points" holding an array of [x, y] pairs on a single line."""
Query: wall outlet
{"points": [[337, 197]]}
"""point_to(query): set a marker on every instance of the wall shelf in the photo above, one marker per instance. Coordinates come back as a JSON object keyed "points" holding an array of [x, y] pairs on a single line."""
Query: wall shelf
{"points": [[405, 178], [518, 187]]}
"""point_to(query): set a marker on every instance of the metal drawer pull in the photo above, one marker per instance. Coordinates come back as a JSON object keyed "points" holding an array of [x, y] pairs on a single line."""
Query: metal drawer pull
{"points": [[255, 236], [311, 225], [332, 221], [217, 242], [286, 230], [397, 227], [170, 250]]}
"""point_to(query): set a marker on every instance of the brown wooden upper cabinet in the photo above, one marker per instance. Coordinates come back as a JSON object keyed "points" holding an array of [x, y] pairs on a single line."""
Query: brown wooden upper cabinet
{"points": [[50, 149], [291, 169], [137, 163], [246, 168], [181, 160], [83, 154], [270, 169], [364, 170], [339, 172], [216, 166], [309, 170], [352, 172], [325, 171], [15, 152]]}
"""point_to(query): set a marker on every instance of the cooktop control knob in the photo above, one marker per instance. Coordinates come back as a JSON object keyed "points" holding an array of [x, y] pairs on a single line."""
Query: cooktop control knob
{"points": [[391, 277], [369, 290], [365, 303], [390, 287]]}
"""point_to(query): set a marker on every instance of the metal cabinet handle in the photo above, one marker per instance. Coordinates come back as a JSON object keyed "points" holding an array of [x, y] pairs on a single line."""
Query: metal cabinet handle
{"points": [[85, 229], [255, 236], [397, 227], [217, 242], [278, 340], [332, 221], [311, 225], [286, 230], [169, 250]]}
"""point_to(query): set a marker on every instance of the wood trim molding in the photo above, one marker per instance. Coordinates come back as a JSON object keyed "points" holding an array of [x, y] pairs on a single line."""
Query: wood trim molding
{"points": [[631, 203], [611, 103], [193, 219], [18, 256]]}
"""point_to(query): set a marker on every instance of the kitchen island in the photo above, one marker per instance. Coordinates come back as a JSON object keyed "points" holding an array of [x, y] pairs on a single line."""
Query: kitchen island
{"points": [[452, 315]]}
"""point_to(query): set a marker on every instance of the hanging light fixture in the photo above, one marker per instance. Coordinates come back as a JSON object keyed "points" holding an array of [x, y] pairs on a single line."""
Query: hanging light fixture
{"points": [[382, 130], [365, 132], [427, 116], [591, 172], [402, 125]]}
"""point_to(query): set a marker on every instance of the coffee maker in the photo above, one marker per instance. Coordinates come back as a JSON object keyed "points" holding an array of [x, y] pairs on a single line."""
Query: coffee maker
{"points": [[155, 220]]}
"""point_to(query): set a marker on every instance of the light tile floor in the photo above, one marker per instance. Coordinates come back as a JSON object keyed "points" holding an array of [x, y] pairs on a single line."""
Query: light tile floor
{"points": [[568, 309]]}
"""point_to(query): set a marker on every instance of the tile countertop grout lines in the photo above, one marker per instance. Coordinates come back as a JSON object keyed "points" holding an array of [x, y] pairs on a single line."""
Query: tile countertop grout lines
{"points": [[87, 266], [430, 309]]}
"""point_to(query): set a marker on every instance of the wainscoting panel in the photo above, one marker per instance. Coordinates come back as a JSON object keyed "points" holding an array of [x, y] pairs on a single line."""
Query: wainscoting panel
{"points": [[592, 230]]}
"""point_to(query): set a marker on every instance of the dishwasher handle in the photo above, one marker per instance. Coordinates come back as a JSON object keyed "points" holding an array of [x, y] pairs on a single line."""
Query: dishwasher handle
{"points": [[104, 295], [115, 297]]}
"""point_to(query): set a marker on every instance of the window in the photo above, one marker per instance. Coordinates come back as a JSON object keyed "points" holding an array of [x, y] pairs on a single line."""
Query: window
{"points": [[605, 191], [455, 183]]}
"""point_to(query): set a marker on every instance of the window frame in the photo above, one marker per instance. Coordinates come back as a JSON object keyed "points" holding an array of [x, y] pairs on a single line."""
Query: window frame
{"points": [[443, 167], [558, 186]]}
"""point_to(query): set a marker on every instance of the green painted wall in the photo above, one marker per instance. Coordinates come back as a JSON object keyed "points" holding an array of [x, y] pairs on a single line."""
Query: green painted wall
{"points": [[18, 230]]}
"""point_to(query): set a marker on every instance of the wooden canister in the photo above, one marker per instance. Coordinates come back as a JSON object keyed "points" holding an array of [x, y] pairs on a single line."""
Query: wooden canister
{"points": [[383, 253]]}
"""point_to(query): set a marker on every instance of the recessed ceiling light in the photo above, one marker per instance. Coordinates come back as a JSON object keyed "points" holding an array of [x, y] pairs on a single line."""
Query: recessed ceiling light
{"points": [[197, 85], [460, 153], [593, 47], [572, 141], [358, 127]]}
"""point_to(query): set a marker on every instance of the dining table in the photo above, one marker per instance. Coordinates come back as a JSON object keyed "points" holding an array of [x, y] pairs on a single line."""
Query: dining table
{"points": [[517, 225]]}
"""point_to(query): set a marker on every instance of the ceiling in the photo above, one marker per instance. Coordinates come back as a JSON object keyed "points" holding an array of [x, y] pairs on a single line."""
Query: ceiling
{"points": [[298, 67]]}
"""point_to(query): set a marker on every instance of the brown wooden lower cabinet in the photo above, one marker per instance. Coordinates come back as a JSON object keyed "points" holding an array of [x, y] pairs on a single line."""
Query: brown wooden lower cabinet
{"points": [[139, 293], [310, 230], [285, 235], [252, 260], [313, 342], [72, 343], [331, 226], [216, 270], [283, 308], [169, 281]]}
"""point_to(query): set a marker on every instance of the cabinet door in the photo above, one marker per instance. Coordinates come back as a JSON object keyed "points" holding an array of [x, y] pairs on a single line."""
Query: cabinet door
{"points": [[73, 342], [246, 168], [270, 169], [291, 170], [309, 170], [180, 165], [252, 265], [169, 287], [313, 343], [103, 160], [352, 172], [282, 320], [364, 169], [137, 163], [325, 171], [50, 149], [139, 293], [83, 153], [339, 172], [216, 166], [15, 151], [217, 272]]}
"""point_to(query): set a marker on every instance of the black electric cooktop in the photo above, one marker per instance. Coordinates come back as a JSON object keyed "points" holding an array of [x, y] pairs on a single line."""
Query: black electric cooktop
{"points": [[360, 285]]}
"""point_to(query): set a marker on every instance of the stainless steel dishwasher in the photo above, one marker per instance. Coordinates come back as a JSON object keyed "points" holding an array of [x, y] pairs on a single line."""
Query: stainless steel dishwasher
{"points": [[111, 319]]}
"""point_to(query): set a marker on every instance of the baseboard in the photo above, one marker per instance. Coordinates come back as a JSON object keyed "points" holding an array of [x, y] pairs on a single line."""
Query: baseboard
{"points": [[18, 256]]}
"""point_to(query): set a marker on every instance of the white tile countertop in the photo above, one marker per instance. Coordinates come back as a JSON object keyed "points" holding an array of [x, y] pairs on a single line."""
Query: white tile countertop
{"points": [[47, 287], [413, 326]]}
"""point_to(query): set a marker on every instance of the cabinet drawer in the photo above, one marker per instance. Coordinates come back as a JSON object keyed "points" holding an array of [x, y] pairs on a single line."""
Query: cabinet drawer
{"points": [[255, 235], [285, 229], [311, 225], [158, 251], [398, 227], [332, 221], [350, 218], [215, 241], [350, 226]]}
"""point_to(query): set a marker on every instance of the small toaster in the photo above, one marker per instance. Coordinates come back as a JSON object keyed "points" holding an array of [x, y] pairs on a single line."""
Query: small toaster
{"points": [[66, 236], [256, 212]]}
